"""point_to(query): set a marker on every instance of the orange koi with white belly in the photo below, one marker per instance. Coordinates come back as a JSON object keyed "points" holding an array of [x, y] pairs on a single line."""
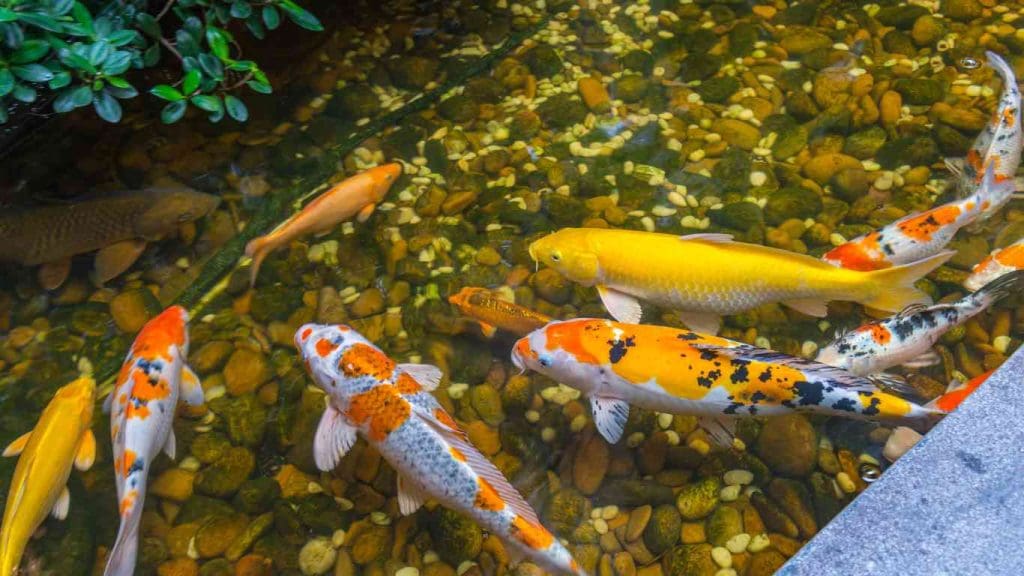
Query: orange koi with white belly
{"points": [[390, 405], [354, 197], [922, 235], [143, 403], [492, 313], [682, 372]]}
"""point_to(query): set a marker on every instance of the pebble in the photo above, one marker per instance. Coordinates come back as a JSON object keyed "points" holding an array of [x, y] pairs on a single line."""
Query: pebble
{"points": [[741, 477], [758, 543], [317, 557], [738, 543], [721, 556]]}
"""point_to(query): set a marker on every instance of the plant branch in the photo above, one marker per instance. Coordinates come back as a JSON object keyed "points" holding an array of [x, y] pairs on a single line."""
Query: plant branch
{"points": [[167, 44], [239, 84], [163, 11]]}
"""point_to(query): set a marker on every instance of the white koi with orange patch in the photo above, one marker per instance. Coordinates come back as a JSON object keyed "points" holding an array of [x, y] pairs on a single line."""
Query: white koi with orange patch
{"points": [[999, 262], [143, 403], [390, 405], [907, 338], [682, 372]]}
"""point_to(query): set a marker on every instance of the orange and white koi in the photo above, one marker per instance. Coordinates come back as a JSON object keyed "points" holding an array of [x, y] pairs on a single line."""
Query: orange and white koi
{"points": [[353, 197], [999, 145], [907, 338], [61, 437], [920, 235], [492, 313], [682, 372], [704, 276], [390, 405], [999, 262], [142, 406]]}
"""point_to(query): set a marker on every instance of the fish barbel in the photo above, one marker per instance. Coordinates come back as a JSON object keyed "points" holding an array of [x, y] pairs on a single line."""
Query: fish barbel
{"points": [[707, 275]]}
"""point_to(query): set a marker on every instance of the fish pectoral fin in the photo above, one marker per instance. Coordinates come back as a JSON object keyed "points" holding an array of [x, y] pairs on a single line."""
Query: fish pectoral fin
{"points": [[410, 497], [116, 258], [912, 309], [620, 305], [62, 505], [720, 429], [426, 375], [610, 415], [488, 330], [53, 274], [15, 448], [809, 306], [702, 322], [191, 387], [171, 445], [334, 437], [713, 237], [894, 384], [929, 358], [86, 453], [365, 213]]}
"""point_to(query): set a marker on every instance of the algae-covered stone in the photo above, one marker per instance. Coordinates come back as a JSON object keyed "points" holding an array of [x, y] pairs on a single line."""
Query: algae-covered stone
{"points": [[633, 492], [898, 42], [226, 476], [456, 537], [789, 445], [791, 202], [823, 496], [738, 215], [822, 167], [354, 102], [800, 40], [689, 560], [174, 484], [927, 30], [543, 61], [525, 124], [697, 499], [565, 510], [789, 141], [718, 89], [253, 531], [132, 308], [257, 495], [733, 170], [774, 518], [246, 371], [197, 509], [413, 72], [638, 61], [210, 356], [908, 151], [320, 513], [209, 447], [375, 542], [368, 303], [551, 286], [737, 132], [724, 523], [216, 534], [795, 501], [765, 563], [662, 531], [631, 88], [486, 400], [850, 184], [865, 143], [900, 16], [245, 416], [561, 111], [920, 91], [951, 141], [699, 67], [458, 108], [962, 10]]}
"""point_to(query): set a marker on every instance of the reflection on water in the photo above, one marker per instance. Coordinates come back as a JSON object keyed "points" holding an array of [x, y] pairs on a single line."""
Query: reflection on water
{"points": [[796, 126]]}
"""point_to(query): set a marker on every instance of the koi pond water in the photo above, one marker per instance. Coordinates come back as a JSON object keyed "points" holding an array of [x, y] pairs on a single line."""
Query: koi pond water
{"points": [[823, 192]]}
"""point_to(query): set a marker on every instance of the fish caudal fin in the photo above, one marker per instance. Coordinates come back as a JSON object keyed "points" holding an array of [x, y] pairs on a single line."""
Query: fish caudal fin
{"points": [[894, 287], [1003, 286], [257, 249], [121, 561], [993, 193]]}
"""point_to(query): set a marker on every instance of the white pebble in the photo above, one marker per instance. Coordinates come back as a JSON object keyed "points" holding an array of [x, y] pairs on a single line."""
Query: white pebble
{"points": [[738, 543], [1001, 343], [721, 556], [846, 483], [408, 571], [600, 526], [726, 572], [758, 543], [809, 348], [648, 223], [758, 178], [672, 437], [547, 434], [609, 512], [697, 155], [579, 422], [317, 557], [635, 439], [338, 538], [380, 518], [664, 421], [741, 477], [730, 493]]}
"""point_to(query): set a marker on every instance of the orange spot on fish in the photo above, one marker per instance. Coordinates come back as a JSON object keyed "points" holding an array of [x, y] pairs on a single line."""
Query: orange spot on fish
{"points": [[568, 338], [364, 360], [122, 467], [128, 502], [880, 334], [974, 158], [926, 224], [859, 255], [382, 408], [407, 384], [457, 454], [159, 334], [1012, 256], [532, 535], [951, 400], [305, 334], [324, 347], [487, 497], [1008, 118], [446, 420]]}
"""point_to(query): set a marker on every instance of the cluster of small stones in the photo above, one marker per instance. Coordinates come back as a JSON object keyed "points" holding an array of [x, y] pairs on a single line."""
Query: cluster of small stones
{"points": [[793, 126]]}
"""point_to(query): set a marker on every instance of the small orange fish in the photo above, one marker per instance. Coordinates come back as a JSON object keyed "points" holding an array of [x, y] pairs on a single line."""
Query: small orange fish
{"points": [[356, 196], [493, 313]]}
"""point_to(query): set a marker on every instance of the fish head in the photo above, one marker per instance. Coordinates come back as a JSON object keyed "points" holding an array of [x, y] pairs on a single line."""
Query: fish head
{"points": [[80, 395], [560, 351], [832, 356], [172, 207], [337, 356], [569, 253], [166, 331], [461, 299], [383, 177]]}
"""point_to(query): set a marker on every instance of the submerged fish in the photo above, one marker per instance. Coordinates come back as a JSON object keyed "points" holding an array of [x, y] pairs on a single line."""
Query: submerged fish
{"points": [[356, 196], [493, 313], [682, 372], [707, 275], [999, 262], [907, 338], [921, 235], [118, 226], [39, 486], [142, 407], [390, 405], [999, 145]]}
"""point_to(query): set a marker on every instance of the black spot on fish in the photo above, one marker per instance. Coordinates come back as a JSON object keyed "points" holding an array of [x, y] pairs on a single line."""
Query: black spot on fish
{"points": [[137, 466], [740, 373], [766, 375], [715, 374], [757, 397], [707, 355], [810, 393], [688, 336], [872, 408], [845, 404], [704, 382], [752, 410], [619, 348], [731, 408]]}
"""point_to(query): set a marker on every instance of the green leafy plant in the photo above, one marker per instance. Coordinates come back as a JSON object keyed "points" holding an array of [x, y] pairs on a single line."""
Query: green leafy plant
{"points": [[83, 53]]}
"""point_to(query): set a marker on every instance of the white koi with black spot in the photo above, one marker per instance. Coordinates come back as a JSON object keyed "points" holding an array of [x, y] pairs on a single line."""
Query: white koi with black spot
{"points": [[390, 405]]}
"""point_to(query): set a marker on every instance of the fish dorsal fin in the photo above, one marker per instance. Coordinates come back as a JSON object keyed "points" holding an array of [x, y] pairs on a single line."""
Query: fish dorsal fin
{"points": [[912, 309], [482, 466], [823, 373], [86, 453], [426, 375], [610, 415], [191, 387], [621, 306], [16, 447], [62, 505], [334, 437], [410, 497], [713, 237]]}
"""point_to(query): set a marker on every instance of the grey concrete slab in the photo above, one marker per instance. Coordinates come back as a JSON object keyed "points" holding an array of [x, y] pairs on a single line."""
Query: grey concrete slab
{"points": [[953, 505]]}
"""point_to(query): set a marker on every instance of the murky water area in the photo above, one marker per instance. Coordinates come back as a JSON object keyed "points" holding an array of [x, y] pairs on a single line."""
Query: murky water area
{"points": [[798, 126]]}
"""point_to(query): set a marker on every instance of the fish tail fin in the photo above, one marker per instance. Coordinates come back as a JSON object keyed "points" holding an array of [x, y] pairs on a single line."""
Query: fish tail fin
{"points": [[1001, 287], [257, 249], [996, 61], [121, 561], [956, 393], [893, 288], [994, 192]]}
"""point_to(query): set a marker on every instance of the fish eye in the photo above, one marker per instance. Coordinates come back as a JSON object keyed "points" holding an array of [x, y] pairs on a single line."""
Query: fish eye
{"points": [[556, 256], [545, 361]]}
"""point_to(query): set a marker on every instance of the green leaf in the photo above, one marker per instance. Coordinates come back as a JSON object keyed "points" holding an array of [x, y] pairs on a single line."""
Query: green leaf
{"points": [[117, 63], [271, 17], [236, 108], [192, 78], [301, 16], [122, 37], [261, 87], [98, 52], [217, 40], [148, 25], [82, 15], [60, 80], [78, 62], [24, 93], [6, 82], [118, 82], [30, 51], [38, 20], [8, 15], [81, 96], [241, 9], [3, 115], [107, 106], [123, 92], [211, 66], [13, 34], [173, 112], [103, 26], [62, 7], [151, 56], [207, 102], [241, 65], [187, 45], [166, 92], [255, 26], [64, 102], [33, 73]]}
